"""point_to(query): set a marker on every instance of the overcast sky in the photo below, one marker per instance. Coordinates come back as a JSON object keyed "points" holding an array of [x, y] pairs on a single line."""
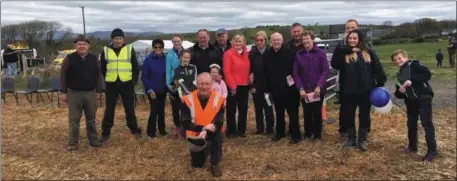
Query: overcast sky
{"points": [[170, 17]]}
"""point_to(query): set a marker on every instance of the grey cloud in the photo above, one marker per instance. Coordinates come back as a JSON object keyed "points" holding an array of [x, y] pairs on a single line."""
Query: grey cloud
{"points": [[190, 16]]}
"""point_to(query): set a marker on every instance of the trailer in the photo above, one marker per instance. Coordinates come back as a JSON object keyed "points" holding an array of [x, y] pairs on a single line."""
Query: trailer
{"points": [[329, 46]]}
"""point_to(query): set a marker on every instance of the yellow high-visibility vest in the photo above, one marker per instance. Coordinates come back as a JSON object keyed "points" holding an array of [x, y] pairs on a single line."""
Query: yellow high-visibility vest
{"points": [[118, 65]]}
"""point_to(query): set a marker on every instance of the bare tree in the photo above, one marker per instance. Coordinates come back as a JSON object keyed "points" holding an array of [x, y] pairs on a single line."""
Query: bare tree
{"points": [[387, 23], [8, 34], [32, 31], [56, 34]]}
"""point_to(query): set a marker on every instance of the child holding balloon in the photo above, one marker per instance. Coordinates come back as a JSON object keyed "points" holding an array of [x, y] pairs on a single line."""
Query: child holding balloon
{"points": [[412, 86]]}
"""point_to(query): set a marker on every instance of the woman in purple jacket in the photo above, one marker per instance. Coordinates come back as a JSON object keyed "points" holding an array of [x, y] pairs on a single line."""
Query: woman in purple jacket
{"points": [[310, 72]]}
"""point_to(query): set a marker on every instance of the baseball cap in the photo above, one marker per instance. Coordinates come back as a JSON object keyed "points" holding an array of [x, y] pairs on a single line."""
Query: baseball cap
{"points": [[221, 30]]}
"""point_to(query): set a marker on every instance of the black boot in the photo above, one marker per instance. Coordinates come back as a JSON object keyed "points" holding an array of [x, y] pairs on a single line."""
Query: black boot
{"points": [[350, 138], [412, 142], [361, 141], [432, 151]]}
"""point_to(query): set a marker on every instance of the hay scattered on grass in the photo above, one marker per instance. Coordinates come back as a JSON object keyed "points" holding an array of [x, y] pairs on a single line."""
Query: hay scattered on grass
{"points": [[34, 140]]}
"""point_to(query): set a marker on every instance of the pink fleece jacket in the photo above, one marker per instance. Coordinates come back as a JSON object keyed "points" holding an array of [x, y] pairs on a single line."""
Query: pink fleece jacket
{"points": [[220, 88]]}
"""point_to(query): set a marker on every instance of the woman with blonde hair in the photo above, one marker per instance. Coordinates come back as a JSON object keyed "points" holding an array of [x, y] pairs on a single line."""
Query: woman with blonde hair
{"points": [[360, 72], [236, 68], [258, 85]]}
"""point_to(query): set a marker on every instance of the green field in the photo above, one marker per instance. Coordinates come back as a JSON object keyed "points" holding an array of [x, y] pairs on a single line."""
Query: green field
{"points": [[425, 52]]}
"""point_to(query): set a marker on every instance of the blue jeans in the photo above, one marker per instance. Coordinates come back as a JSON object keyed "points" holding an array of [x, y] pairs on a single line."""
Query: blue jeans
{"points": [[12, 69]]}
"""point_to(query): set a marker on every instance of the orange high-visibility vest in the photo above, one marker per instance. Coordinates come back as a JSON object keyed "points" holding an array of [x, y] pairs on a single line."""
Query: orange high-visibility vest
{"points": [[199, 115]]}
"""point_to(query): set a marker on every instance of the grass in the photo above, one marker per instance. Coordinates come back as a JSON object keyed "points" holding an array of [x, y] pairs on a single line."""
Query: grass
{"points": [[425, 52], [34, 140]]}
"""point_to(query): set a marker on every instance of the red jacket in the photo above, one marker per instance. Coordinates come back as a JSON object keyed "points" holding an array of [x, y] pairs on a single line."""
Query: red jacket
{"points": [[236, 68]]}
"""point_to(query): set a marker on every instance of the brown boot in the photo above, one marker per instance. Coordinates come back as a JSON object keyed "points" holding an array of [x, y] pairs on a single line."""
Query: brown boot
{"points": [[216, 171]]}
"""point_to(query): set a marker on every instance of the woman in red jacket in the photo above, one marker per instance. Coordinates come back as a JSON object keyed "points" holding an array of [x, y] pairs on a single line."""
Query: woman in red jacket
{"points": [[236, 74]]}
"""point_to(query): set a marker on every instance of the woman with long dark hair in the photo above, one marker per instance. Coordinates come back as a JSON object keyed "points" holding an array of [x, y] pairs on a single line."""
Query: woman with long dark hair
{"points": [[360, 72]]}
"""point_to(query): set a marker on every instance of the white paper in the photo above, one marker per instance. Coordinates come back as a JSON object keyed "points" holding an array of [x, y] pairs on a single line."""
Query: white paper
{"points": [[290, 80], [310, 98]]}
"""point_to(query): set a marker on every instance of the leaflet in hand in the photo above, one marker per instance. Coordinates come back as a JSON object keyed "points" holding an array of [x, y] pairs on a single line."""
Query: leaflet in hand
{"points": [[310, 98], [290, 80]]}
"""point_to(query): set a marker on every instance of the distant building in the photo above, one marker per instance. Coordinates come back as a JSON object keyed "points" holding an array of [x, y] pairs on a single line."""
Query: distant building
{"points": [[336, 31], [445, 32]]}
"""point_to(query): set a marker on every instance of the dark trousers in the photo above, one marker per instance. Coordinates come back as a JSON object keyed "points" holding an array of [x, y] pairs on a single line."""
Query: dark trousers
{"points": [[213, 148], [240, 101], [260, 105], [439, 63], [420, 108], [125, 90], [156, 114], [312, 119], [451, 58], [175, 101], [79, 101], [341, 122], [288, 101], [349, 104]]}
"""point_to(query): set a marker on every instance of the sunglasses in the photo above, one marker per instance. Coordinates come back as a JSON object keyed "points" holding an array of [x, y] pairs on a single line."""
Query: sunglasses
{"points": [[157, 47]]}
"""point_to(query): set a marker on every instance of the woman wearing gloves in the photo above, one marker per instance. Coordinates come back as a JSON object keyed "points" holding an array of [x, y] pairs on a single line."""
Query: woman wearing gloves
{"points": [[236, 74]]}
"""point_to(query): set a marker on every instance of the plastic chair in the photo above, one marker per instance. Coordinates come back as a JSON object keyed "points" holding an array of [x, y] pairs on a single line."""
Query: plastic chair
{"points": [[33, 84], [8, 87], [53, 87]]}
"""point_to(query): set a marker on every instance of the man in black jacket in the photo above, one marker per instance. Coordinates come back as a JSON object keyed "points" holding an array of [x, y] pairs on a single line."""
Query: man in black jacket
{"points": [[120, 70], [80, 91], [10, 58], [279, 81], [222, 43], [204, 54], [451, 51]]}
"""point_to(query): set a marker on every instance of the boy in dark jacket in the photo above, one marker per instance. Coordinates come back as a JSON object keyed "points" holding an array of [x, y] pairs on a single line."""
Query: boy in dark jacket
{"points": [[439, 59], [413, 87]]}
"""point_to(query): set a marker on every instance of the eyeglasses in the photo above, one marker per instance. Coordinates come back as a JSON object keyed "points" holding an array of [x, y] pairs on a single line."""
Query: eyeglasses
{"points": [[259, 40], [158, 47]]}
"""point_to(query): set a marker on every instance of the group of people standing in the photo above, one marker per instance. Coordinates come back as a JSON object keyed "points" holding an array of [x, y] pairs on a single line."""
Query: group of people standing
{"points": [[208, 80]]}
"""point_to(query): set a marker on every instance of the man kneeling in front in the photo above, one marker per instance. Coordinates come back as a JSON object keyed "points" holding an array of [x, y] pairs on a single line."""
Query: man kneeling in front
{"points": [[202, 115]]}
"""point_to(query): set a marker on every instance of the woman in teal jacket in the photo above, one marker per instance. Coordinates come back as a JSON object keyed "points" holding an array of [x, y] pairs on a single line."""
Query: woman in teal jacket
{"points": [[171, 65]]}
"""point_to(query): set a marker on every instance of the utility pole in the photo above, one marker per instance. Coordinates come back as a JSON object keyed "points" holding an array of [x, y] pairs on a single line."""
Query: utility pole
{"points": [[84, 20]]}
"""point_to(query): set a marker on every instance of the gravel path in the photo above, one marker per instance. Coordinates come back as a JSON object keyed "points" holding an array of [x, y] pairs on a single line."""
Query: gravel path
{"points": [[445, 94]]}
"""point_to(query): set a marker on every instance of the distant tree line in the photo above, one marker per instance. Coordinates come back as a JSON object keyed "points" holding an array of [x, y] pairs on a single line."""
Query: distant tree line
{"points": [[47, 37]]}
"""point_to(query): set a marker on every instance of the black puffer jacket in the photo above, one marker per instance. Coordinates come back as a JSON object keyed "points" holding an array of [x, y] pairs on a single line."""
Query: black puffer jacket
{"points": [[203, 58], [359, 77], [257, 60], [419, 76]]}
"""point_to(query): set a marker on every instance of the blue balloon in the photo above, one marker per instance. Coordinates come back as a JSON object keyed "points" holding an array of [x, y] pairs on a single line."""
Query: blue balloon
{"points": [[379, 97]]}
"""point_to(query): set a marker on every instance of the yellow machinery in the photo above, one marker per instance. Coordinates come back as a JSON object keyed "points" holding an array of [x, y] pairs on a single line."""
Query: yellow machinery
{"points": [[61, 56]]}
